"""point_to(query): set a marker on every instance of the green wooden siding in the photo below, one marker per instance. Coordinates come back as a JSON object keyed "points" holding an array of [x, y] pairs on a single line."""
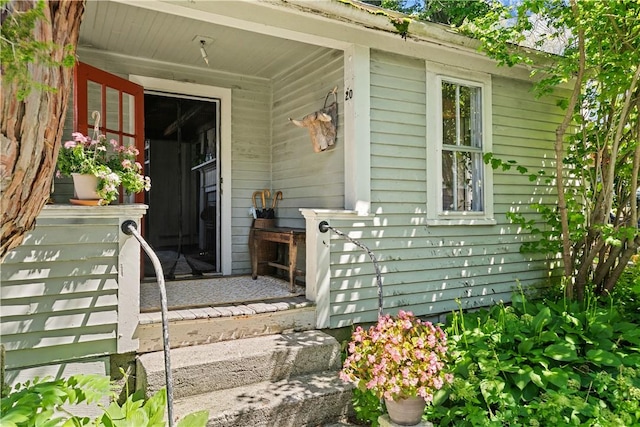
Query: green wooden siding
{"points": [[250, 160], [59, 292], [432, 269], [306, 178]]}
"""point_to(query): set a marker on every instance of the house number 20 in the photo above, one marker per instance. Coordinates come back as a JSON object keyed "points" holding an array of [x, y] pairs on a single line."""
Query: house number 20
{"points": [[348, 94]]}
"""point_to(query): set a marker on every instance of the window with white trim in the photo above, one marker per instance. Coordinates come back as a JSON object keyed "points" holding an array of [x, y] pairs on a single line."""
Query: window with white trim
{"points": [[458, 134]]}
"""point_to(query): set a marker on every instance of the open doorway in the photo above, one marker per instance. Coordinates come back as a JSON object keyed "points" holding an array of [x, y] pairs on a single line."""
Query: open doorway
{"points": [[181, 157]]}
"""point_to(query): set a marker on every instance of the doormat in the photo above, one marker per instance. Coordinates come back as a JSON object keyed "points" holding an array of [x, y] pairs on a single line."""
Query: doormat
{"points": [[215, 292]]}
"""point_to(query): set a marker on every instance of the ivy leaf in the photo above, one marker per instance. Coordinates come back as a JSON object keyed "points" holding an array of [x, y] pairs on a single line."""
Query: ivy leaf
{"points": [[137, 417], [563, 103], [113, 411], [632, 361], [530, 392], [155, 407], [632, 336]]}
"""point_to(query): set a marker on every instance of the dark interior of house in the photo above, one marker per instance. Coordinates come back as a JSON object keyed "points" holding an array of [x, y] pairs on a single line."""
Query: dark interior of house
{"points": [[181, 159]]}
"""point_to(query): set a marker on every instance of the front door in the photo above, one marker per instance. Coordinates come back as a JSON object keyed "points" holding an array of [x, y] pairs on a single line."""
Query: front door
{"points": [[196, 152]]}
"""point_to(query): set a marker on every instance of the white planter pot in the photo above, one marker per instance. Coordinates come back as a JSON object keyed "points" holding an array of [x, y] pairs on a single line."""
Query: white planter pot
{"points": [[84, 186], [406, 412]]}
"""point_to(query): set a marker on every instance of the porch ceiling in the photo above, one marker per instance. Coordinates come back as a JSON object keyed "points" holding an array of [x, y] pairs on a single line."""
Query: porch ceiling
{"points": [[140, 32]]}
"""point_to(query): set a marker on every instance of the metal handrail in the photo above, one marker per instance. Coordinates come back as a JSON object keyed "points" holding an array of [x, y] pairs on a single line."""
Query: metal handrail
{"points": [[324, 227], [130, 228]]}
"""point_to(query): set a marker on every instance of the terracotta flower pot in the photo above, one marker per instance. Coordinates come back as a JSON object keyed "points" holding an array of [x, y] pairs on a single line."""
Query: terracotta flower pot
{"points": [[406, 412]]}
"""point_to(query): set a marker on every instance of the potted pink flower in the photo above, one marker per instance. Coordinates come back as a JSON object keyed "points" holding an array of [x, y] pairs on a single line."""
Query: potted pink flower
{"points": [[402, 360], [110, 164]]}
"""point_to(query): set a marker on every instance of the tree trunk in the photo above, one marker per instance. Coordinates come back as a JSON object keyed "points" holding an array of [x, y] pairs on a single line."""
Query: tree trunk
{"points": [[31, 130], [559, 152]]}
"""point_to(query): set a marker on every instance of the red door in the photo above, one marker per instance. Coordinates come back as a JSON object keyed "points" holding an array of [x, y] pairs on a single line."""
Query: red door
{"points": [[119, 102]]}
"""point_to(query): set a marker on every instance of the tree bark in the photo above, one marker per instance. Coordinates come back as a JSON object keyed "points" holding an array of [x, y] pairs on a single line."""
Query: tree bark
{"points": [[31, 130]]}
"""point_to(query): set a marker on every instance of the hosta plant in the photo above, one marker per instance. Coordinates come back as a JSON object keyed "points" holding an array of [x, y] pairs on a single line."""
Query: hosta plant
{"points": [[52, 403], [543, 363]]}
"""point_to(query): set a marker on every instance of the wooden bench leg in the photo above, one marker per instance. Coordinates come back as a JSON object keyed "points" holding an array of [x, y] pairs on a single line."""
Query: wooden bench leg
{"points": [[255, 244], [293, 256]]}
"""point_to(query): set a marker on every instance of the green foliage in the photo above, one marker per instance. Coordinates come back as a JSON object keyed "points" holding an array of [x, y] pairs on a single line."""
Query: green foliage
{"points": [[40, 402], [402, 26], [45, 403], [536, 363], [19, 48], [497, 163], [626, 294], [367, 406], [449, 12], [599, 175]]}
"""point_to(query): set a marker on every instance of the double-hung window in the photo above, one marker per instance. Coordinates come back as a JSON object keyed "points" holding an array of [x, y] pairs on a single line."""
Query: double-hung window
{"points": [[458, 134]]}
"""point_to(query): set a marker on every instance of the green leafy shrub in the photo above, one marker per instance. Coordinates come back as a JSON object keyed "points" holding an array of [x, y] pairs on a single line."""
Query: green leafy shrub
{"points": [[367, 407], [45, 403], [544, 363], [626, 294], [41, 402]]}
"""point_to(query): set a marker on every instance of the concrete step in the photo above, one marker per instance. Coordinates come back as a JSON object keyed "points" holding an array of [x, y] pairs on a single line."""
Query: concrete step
{"points": [[195, 326], [230, 364], [305, 400]]}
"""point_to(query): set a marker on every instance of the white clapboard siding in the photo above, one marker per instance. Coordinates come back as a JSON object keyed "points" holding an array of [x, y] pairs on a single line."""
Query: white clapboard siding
{"points": [[59, 292], [428, 269]]}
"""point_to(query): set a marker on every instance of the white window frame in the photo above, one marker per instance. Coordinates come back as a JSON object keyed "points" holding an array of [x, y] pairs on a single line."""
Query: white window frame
{"points": [[436, 215]]}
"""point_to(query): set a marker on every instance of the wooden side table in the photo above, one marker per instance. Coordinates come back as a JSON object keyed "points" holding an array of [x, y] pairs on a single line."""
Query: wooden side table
{"points": [[290, 236]]}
